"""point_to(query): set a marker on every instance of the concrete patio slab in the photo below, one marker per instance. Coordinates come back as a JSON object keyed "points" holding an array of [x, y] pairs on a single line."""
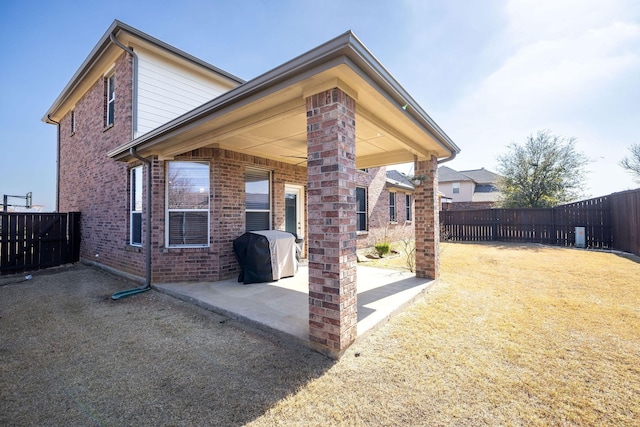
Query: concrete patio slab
{"points": [[282, 307]]}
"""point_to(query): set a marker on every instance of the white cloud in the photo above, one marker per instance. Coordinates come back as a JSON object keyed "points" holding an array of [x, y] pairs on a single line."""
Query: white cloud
{"points": [[568, 64]]}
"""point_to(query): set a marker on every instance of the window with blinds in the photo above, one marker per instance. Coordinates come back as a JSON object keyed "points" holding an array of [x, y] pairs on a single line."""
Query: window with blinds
{"points": [[407, 199], [361, 208], [187, 204], [392, 207], [135, 224], [257, 185]]}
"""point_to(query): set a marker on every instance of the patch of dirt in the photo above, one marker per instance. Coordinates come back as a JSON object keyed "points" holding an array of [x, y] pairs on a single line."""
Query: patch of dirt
{"points": [[69, 355]]}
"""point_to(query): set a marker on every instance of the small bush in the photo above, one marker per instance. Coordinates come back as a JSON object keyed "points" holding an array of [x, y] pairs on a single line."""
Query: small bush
{"points": [[382, 249]]}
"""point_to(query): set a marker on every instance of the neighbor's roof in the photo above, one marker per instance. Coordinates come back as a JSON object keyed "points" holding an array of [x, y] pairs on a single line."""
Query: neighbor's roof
{"points": [[482, 176], [479, 176], [100, 51], [446, 174], [398, 180]]}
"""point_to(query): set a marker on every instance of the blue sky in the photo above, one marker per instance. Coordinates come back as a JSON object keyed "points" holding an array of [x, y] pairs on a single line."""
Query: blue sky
{"points": [[489, 73]]}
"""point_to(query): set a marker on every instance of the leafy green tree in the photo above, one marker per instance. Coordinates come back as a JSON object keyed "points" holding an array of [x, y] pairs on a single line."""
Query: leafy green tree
{"points": [[632, 162], [544, 171]]}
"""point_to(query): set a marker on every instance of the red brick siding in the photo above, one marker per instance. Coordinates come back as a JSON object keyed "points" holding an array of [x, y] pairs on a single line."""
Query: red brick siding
{"points": [[381, 229], [332, 221], [227, 213], [463, 206], [93, 184], [426, 220]]}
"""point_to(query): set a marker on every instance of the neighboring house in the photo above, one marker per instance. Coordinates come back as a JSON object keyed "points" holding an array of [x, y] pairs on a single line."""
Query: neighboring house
{"points": [[470, 189], [169, 159]]}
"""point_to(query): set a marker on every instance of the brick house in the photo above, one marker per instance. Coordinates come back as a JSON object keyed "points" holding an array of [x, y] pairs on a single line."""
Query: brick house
{"points": [[468, 189], [170, 159]]}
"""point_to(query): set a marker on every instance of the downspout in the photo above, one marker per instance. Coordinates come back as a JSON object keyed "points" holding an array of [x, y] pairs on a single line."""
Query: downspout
{"points": [[147, 162], [57, 162], [147, 233], [447, 159], [134, 100]]}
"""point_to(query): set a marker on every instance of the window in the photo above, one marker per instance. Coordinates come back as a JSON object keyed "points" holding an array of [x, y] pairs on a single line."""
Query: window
{"points": [[257, 190], [73, 122], [456, 187], [361, 208], [187, 204], [136, 207], [110, 100], [407, 200], [392, 207]]}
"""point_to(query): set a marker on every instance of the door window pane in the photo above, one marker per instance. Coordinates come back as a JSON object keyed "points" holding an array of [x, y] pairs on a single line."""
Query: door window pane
{"points": [[291, 213]]}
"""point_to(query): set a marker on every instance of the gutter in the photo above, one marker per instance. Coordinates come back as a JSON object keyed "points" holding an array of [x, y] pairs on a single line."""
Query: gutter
{"points": [[147, 235], [57, 161], [134, 100]]}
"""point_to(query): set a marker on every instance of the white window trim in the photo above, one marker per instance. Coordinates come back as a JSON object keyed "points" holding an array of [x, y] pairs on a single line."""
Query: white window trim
{"points": [[270, 210], [455, 186], [133, 205], [110, 81], [167, 210]]}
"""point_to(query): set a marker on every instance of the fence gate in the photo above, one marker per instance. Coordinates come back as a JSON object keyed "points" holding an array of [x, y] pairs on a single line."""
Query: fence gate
{"points": [[32, 241]]}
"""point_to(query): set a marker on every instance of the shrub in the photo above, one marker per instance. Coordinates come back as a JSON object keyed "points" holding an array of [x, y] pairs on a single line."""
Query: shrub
{"points": [[382, 249]]}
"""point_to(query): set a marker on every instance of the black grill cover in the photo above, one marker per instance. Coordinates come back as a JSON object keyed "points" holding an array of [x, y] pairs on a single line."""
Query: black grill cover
{"points": [[266, 256]]}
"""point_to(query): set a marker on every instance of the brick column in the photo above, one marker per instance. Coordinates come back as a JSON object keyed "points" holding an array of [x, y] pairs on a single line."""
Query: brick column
{"points": [[331, 169], [427, 223]]}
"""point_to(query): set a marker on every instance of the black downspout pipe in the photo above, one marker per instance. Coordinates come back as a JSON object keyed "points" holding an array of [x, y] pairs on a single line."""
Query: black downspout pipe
{"points": [[147, 233], [57, 162]]}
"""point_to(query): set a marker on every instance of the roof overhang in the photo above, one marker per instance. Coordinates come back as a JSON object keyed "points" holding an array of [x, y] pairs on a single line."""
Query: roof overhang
{"points": [[266, 116], [104, 54]]}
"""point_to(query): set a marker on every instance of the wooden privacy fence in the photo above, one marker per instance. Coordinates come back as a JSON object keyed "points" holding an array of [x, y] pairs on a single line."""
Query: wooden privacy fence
{"points": [[31, 241], [611, 222], [625, 218]]}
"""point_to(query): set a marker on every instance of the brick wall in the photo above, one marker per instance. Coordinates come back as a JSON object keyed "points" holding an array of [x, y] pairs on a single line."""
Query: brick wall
{"points": [[463, 206], [380, 228], [92, 183], [227, 215]]}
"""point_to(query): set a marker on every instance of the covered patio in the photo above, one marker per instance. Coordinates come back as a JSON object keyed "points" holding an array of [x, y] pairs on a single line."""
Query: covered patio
{"points": [[281, 307], [333, 111]]}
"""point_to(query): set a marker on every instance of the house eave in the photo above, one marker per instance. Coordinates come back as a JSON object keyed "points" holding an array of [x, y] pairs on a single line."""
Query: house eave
{"points": [[345, 49]]}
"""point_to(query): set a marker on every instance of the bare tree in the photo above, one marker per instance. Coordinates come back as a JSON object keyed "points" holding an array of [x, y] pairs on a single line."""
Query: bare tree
{"points": [[632, 163]]}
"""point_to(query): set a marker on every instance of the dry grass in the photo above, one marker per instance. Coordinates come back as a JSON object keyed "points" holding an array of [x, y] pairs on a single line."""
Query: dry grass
{"points": [[512, 335]]}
